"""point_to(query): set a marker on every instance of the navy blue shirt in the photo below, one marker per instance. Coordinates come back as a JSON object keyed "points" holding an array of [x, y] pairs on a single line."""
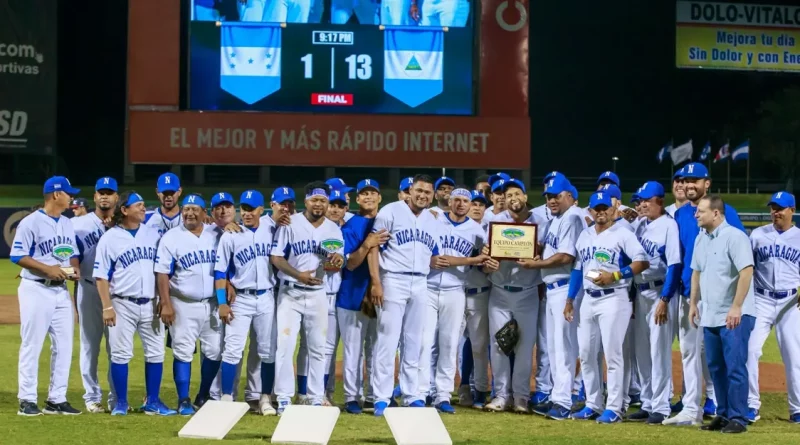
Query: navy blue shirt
{"points": [[354, 283], [688, 231]]}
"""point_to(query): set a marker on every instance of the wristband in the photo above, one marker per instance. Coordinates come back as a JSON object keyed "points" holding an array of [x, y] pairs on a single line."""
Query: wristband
{"points": [[627, 272], [617, 276], [222, 296]]}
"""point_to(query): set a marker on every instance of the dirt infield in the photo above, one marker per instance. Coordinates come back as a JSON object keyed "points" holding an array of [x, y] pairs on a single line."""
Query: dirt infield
{"points": [[772, 377]]}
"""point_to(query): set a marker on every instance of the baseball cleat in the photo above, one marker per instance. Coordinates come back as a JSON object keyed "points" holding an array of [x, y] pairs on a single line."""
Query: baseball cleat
{"points": [[752, 416], [539, 397], [521, 406], [368, 406], [397, 392], [558, 412], [638, 416], [709, 408], [636, 400], [253, 404], [380, 407], [676, 407], [498, 404], [542, 408], [479, 400], [717, 424], [301, 399], [28, 409], [465, 395], [609, 417], [428, 401], [63, 408], [265, 407], [733, 428], [683, 419], [794, 418], [185, 407], [157, 408], [282, 405], [199, 402], [417, 404], [95, 408], [353, 407], [121, 409], [445, 407], [656, 419], [585, 414]]}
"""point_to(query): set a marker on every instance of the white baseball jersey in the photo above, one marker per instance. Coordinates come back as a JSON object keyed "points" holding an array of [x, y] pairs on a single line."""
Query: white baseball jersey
{"points": [[161, 222], [126, 259], [638, 222], [562, 233], [412, 242], [609, 251], [624, 223], [88, 230], [462, 240], [659, 239], [244, 258], [306, 247], [48, 240], [671, 209], [543, 212], [777, 258], [510, 273], [189, 261]]}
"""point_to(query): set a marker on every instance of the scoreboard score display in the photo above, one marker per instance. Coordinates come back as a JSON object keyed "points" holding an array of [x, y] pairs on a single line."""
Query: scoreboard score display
{"points": [[323, 68]]}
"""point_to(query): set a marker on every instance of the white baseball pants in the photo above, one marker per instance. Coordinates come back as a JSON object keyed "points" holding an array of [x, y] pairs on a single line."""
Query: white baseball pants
{"points": [[783, 315], [477, 327], [252, 391], [695, 368], [358, 334], [522, 306], [653, 344], [136, 318], [300, 307], [249, 310], [331, 344], [92, 329], [444, 314], [603, 324], [543, 378], [562, 345], [44, 310], [196, 320], [403, 312]]}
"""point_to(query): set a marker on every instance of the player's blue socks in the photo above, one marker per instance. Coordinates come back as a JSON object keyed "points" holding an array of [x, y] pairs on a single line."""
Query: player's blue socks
{"points": [[208, 370], [119, 375], [511, 363], [267, 377], [182, 372], [325, 382], [228, 376], [302, 384], [152, 379], [467, 363]]}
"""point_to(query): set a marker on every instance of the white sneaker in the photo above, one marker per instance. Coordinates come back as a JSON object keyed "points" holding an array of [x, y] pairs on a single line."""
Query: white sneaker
{"points": [[683, 419], [265, 406], [497, 404], [95, 408], [226, 398], [521, 406], [464, 395]]}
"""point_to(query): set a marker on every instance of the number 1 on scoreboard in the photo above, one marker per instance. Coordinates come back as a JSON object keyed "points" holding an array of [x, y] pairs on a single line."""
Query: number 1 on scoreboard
{"points": [[359, 66]]}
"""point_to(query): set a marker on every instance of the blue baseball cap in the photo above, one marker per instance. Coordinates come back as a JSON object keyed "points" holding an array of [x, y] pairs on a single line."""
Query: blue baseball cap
{"points": [[60, 184], [678, 174], [609, 176], [651, 189], [551, 175], [168, 182], [498, 176], [612, 191], [283, 194], [782, 199], [635, 197], [368, 184], [477, 195], [406, 183], [556, 185], [253, 198], [221, 198], [443, 180], [497, 186], [106, 183], [79, 202], [338, 184], [338, 195], [694, 170], [513, 182], [599, 198], [196, 200], [573, 191]]}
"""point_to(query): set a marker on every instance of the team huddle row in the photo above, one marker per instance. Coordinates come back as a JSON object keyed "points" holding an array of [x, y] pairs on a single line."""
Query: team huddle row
{"points": [[406, 278]]}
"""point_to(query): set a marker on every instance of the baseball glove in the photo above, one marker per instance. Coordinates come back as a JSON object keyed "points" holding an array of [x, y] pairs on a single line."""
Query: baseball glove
{"points": [[367, 308], [508, 336]]}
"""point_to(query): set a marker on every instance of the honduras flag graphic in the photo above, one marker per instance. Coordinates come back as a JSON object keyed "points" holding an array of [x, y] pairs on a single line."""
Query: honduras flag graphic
{"points": [[413, 64], [250, 60]]}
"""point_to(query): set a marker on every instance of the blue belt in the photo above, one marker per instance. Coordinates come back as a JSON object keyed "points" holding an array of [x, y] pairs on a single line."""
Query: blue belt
{"points": [[139, 301], [299, 286], [477, 290], [88, 280], [50, 282], [513, 288], [558, 284], [412, 274], [775, 294], [599, 292], [650, 285], [256, 292]]}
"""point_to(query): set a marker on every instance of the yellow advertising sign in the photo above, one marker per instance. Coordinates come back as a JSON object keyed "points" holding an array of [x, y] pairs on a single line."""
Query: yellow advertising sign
{"points": [[737, 36]]}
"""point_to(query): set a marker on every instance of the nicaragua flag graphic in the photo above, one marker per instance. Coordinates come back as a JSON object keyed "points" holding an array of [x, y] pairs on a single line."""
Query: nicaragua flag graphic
{"points": [[413, 64], [250, 60]]}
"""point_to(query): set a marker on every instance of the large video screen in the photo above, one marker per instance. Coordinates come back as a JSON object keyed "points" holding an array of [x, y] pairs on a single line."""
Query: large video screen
{"points": [[332, 56]]}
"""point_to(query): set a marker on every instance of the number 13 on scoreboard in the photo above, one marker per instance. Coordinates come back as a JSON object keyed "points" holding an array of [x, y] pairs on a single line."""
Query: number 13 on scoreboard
{"points": [[359, 66]]}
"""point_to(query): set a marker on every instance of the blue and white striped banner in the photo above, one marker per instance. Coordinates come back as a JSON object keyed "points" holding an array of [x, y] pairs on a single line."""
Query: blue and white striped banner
{"points": [[250, 60], [413, 64]]}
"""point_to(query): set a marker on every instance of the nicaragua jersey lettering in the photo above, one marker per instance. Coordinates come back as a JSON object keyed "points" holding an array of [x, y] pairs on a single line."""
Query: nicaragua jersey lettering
{"points": [[48, 240], [411, 245], [610, 251], [510, 273], [126, 260], [243, 258], [463, 240], [161, 222], [189, 261], [777, 258], [661, 244], [561, 234], [88, 231], [306, 247]]}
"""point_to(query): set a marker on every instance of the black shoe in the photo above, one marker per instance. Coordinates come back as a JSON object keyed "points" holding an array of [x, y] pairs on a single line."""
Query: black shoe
{"points": [[542, 408], [60, 408], [638, 416], [734, 428], [199, 402], [28, 409], [656, 419], [717, 424]]}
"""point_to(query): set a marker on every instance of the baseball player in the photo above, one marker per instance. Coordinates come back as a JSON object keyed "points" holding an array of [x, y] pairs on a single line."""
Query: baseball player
{"points": [[696, 184], [607, 177], [168, 215], [303, 250], [514, 295], [444, 13], [608, 257], [243, 260], [399, 12], [123, 272], [283, 11], [654, 308], [78, 207], [498, 202], [366, 11], [776, 249], [205, 10], [400, 269], [482, 185], [443, 187], [405, 185], [678, 193], [44, 247], [185, 282], [555, 265], [460, 242], [88, 231], [338, 184]]}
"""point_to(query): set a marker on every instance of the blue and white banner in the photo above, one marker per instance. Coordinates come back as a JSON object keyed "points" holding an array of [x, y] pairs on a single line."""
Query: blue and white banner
{"points": [[741, 152], [413, 64], [663, 152], [706, 151], [250, 60]]}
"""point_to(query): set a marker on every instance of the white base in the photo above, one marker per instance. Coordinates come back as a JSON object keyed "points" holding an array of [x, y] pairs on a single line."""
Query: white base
{"points": [[417, 426], [302, 424], [214, 420]]}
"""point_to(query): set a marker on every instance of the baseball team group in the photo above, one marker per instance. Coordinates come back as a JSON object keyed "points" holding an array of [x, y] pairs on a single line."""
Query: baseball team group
{"points": [[598, 306]]}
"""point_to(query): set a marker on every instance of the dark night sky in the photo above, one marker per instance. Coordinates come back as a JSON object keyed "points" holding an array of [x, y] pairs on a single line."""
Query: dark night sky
{"points": [[603, 83]]}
